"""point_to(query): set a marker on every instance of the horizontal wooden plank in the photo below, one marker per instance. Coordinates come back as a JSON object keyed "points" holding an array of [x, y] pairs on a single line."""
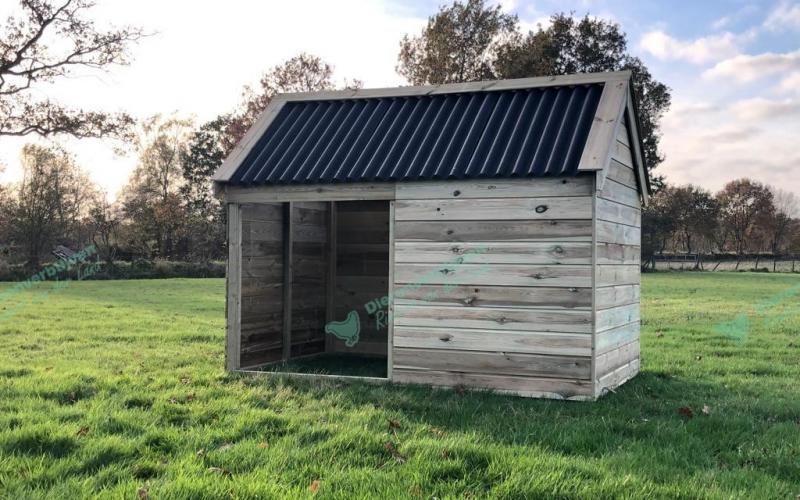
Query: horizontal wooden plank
{"points": [[612, 274], [262, 212], [622, 153], [493, 274], [605, 319], [262, 231], [620, 295], [553, 388], [612, 211], [495, 188], [262, 267], [494, 296], [613, 190], [374, 348], [616, 358], [622, 133], [310, 192], [563, 230], [623, 174], [575, 207], [566, 344], [611, 232], [262, 248], [494, 252], [494, 363], [616, 378], [616, 337], [499, 318], [612, 253]]}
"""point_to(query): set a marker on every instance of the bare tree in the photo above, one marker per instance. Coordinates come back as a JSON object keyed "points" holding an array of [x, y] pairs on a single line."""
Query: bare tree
{"points": [[780, 222], [27, 59]]}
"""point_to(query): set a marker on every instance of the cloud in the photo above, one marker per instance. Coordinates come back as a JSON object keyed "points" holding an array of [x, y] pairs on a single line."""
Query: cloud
{"points": [[760, 108], [791, 84], [699, 51], [748, 68], [785, 17]]}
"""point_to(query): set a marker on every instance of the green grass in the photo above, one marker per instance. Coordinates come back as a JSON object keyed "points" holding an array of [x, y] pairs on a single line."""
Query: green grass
{"points": [[116, 389]]}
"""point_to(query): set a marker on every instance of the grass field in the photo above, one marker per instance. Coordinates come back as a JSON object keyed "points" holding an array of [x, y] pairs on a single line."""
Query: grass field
{"points": [[116, 389]]}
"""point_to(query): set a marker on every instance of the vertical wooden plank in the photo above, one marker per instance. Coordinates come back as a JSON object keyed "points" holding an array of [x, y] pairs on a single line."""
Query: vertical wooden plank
{"points": [[330, 291], [593, 371], [233, 282], [288, 243], [390, 307]]}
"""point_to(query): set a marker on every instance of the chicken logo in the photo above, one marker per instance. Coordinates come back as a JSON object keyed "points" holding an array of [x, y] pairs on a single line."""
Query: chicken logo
{"points": [[346, 330]]}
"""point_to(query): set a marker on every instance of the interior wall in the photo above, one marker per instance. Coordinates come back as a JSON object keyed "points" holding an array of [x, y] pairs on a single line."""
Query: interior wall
{"points": [[362, 272], [261, 283], [309, 276]]}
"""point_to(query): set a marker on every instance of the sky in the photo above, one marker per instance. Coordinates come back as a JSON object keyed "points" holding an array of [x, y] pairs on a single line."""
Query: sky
{"points": [[733, 67]]}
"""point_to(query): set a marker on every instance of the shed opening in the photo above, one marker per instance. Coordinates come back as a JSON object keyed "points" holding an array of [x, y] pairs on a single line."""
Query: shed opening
{"points": [[315, 283]]}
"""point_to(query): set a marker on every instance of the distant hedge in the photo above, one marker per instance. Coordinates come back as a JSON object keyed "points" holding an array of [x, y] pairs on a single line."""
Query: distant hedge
{"points": [[138, 269]]}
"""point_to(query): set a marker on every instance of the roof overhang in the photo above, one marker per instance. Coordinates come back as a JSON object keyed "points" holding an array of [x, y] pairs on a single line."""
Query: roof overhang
{"points": [[617, 103]]}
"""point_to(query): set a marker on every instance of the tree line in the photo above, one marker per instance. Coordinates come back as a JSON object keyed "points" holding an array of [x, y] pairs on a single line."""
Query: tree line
{"points": [[168, 211], [744, 218]]}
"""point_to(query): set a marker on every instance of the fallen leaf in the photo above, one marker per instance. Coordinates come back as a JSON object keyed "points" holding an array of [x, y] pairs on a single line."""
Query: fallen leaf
{"points": [[659, 334], [314, 486], [185, 380], [200, 452], [698, 358], [706, 410], [685, 411], [445, 453], [393, 425], [143, 493], [82, 431], [263, 445]]}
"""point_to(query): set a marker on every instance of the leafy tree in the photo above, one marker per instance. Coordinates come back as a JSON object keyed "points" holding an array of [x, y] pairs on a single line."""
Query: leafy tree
{"points": [[205, 151], [302, 73], [658, 225], [104, 220], [44, 43], [741, 203], [152, 200], [47, 206], [695, 214], [457, 45], [472, 41]]}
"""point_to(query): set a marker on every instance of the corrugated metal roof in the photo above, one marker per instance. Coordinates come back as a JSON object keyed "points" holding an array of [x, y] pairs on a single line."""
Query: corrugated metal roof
{"points": [[513, 133]]}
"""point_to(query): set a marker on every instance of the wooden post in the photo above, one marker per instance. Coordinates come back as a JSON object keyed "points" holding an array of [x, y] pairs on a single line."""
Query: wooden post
{"points": [[330, 289], [390, 306], [233, 283], [288, 244]]}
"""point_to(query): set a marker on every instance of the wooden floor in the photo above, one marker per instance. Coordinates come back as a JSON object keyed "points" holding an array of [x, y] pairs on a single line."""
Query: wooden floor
{"points": [[352, 365]]}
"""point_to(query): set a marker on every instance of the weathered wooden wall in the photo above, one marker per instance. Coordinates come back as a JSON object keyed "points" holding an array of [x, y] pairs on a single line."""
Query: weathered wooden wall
{"points": [[617, 273], [493, 285], [309, 277], [362, 271], [261, 283]]}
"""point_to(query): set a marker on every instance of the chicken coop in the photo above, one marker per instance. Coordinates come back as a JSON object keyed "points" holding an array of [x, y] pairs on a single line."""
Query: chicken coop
{"points": [[483, 235]]}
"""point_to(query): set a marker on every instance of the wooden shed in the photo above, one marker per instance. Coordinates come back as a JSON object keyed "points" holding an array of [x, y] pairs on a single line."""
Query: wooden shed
{"points": [[482, 235]]}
